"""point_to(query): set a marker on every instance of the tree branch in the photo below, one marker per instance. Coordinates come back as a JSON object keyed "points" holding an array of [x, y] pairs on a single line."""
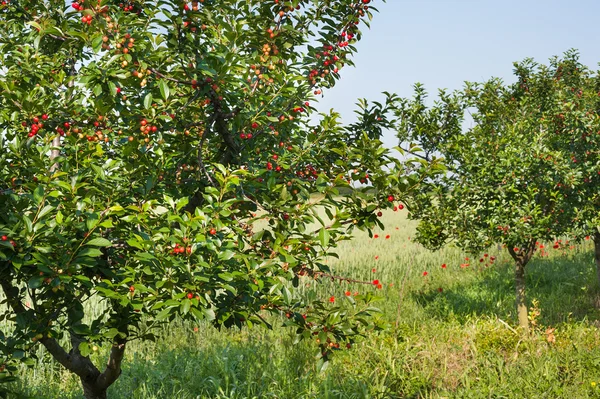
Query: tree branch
{"points": [[75, 364], [113, 366]]}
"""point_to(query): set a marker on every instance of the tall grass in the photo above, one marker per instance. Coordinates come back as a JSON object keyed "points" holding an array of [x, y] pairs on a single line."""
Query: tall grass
{"points": [[452, 336]]}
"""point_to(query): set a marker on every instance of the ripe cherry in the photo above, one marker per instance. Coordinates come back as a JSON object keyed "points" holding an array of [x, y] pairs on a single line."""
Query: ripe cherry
{"points": [[190, 295], [4, 238], [213, 232]]}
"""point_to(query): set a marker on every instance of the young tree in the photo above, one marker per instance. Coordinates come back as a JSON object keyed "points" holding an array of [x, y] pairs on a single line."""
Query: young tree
{"points": [[511, 179], [159, 158]]}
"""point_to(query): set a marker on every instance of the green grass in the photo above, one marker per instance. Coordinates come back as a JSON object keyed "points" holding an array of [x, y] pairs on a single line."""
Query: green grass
{"points": [[457, 343]]}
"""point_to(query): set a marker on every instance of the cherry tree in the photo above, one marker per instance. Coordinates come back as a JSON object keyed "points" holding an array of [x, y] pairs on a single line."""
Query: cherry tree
{"points": [[521, 174], [162, 159]]}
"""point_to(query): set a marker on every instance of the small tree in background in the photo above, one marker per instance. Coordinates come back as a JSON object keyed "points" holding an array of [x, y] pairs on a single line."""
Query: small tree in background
{"points": [[159, 159], [511, 179]]}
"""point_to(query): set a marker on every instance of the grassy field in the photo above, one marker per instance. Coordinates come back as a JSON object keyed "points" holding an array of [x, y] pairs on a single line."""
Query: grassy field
{"points": [[452, 337]]}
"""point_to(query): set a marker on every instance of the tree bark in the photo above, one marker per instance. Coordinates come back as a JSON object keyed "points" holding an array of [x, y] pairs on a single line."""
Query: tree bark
{"points": [[597, 253], [91, 391], [520, 296], [521, 257]]}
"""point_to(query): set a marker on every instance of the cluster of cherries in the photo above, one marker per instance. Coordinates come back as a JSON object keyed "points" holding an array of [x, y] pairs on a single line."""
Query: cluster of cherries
{"points": [[36, 125], [194, 6], [5, 238], [180, 249], [128, 7]]}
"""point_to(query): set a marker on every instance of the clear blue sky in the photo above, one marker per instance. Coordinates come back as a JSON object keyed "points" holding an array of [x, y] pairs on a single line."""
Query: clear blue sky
{"points": [[442, 43]]}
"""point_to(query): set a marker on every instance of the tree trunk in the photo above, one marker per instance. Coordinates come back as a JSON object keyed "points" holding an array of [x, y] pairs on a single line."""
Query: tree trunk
{"points": [[91, 391], [520, 296], [521, 256], [597, 253]]}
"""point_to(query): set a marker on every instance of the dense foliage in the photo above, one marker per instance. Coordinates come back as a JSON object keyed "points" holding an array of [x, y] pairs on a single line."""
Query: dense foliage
{"points": [[164, 159]]}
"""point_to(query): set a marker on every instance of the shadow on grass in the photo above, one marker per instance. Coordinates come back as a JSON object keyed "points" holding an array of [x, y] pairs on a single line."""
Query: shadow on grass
{"points": [[565, 288], [205, 364]]}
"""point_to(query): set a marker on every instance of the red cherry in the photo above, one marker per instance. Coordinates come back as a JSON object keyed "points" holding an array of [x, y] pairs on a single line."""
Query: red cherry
{"points": [[254, 125], [4, 238], [213, 232], [390, 198], [131, 289], [190, 295], [400, 206], [379, 213], [45, 117]]}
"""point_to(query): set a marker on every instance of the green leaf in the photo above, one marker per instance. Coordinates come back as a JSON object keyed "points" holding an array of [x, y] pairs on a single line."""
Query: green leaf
{"points": [[111, 333], [59, 217], [91, 252], [209, 313], [84, 349], [36, 282], [38, 194], [97, 43], [45, 210], [99, 242], [226, 255], [324, 237], [164, 89], [148, 101], [35, 25], [185, 306], [113, 88]]}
